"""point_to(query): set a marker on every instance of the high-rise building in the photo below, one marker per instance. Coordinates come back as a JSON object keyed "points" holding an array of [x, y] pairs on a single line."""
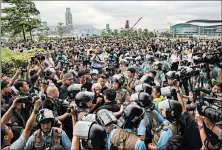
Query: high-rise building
{"points": [[127, 24], [69, 19], [44, 23], [107, 27]]}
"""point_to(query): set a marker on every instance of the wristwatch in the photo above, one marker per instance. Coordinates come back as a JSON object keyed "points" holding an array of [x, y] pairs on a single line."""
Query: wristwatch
{"points": [[200, 127], [36, 111]]}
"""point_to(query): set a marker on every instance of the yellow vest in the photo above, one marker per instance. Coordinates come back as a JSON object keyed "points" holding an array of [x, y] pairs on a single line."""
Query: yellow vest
{"points": [[159, 99]]}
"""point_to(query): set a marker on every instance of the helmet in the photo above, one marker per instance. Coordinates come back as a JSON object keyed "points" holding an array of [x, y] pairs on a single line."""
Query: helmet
{"points": [[105, 117], [132, 115], [48, 72], [118, 78], [73, 90], [44, 115], [147, 79], [144, 87], [84, 97], [173, 108], [92, 135], [142, 99], [171, 75]]}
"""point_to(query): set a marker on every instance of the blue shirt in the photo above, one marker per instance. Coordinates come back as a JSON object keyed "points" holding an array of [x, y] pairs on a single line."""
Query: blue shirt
{"points": [[66, 143], [164, 136], [140, 145]]}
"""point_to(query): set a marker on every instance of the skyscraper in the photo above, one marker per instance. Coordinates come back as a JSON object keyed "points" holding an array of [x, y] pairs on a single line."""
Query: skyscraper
{"points": [[127, 24], [44, 23], [107, 27], [69, 19]]}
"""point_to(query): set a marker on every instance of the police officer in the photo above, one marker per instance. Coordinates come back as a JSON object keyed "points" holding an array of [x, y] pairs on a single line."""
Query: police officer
{"points": [[91, 135], [125, 138], [171, 110], [47, 135], [117, 83], [143, 87], [152, 119], [83, 101], [147, 78]]}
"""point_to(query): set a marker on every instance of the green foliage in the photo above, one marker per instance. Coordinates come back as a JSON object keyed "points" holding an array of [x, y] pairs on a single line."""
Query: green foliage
{"points": [[12, 60], [18, 18], [60, 29]]}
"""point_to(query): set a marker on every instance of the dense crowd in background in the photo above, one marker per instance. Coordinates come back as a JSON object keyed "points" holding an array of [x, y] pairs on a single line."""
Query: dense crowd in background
{"points": [[114, 93]]}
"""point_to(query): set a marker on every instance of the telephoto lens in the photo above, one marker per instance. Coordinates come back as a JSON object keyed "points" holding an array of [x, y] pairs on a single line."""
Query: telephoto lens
{"points": [[213, 114]]}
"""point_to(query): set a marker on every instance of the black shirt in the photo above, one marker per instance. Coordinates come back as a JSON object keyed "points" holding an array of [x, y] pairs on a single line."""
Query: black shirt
{"points": [[99, 104], [111, 106], [104, 89], [63, 91], [87, 86], [191, 132]]}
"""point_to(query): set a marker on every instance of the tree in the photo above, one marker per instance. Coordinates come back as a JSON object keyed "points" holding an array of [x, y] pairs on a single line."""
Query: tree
{"points": [[151, 34], [145, 33], [103, 34], [60, 29], [43, 32], [18, 17], [140, 32], [33, 24], [116, 33], [135, 33]]}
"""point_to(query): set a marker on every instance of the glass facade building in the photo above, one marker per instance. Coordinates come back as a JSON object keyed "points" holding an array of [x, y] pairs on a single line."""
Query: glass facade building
{"points": [[198, 27]]}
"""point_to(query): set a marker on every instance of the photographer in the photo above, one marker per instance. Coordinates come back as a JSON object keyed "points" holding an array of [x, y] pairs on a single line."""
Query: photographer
{"points": [[188, 124], [98, 60], [23, 88], [6, 133], [67, 81], [53, 103], [35, 87]]}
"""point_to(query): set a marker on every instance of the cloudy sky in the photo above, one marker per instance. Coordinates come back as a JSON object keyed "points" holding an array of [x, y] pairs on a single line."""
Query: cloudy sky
{"points": [[155, 14]]}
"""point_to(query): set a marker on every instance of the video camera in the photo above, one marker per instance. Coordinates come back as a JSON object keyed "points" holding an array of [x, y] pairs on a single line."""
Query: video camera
{"points": [[207, 56], [207, 106], [183, 72]]}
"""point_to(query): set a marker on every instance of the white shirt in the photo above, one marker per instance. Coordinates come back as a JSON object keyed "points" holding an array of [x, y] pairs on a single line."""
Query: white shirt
{"points": [[174, 58]]}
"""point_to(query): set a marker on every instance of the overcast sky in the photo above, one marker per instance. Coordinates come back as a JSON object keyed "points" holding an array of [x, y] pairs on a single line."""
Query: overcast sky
{"points": [[155, 14]]}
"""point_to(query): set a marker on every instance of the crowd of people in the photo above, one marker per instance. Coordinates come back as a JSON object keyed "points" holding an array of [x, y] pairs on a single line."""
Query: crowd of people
{"points": [[115, 93]]}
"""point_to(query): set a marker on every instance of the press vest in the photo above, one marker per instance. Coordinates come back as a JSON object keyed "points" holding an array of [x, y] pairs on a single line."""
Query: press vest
{"points": [[39, 140], [122, 139], [164, 126]]}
